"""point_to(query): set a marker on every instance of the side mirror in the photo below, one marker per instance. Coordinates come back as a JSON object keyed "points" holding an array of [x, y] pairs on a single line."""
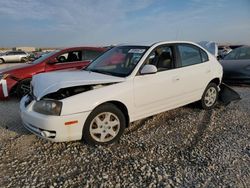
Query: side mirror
{"points": [[148, 69]]}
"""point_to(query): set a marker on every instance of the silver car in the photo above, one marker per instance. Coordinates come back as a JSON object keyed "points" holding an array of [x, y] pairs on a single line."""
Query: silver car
{"points": [[14, 56]]}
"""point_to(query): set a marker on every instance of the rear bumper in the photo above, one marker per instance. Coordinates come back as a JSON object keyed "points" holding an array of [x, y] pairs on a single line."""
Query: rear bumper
{"points": [[52, 128]]}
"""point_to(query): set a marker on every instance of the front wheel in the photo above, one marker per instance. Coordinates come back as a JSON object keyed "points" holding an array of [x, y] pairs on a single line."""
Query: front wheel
{"points": [[104, 125], [210, 96]]}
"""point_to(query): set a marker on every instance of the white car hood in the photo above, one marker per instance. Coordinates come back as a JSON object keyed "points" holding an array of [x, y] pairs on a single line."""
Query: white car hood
{"points": [[46, 83]]}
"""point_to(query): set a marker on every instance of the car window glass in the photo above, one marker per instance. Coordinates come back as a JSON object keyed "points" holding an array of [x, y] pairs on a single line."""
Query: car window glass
{"points": [[11, 53], [70, 57], [189, 55], [244, 53], [119, 61], [204, 56], [90, 54], [162, 58]]}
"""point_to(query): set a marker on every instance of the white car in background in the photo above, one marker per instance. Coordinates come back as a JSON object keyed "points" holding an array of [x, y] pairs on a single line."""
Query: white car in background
{"points": [[125, 84], [13, 56]]}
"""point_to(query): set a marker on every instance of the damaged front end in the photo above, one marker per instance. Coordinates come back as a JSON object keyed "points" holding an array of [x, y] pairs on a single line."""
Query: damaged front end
{"points": [[227, 94], [70, 91]]}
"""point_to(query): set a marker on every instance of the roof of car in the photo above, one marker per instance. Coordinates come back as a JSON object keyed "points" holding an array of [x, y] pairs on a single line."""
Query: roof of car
{"points": [[84, 47], [156, 43]]}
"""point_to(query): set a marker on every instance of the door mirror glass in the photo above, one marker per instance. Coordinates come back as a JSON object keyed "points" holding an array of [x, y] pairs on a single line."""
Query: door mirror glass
{"points": [[148, 69]]}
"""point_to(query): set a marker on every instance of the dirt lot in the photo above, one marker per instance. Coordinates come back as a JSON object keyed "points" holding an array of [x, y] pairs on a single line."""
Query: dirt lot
{"points": [[185, 147]]}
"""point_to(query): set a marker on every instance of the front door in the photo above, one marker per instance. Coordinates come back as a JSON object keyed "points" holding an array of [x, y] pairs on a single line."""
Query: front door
{"points": [[157, 92]]}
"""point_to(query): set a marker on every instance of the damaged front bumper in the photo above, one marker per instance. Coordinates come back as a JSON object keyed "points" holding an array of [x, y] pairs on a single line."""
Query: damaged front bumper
{"points": [[53, 128]]}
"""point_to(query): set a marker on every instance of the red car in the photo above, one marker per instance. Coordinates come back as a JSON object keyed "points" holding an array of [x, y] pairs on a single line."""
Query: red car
{"points": [[16, 80]]}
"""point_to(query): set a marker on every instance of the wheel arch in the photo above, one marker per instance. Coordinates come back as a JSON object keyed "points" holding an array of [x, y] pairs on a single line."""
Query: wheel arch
{"points": [[216, 81], [120, 106]]}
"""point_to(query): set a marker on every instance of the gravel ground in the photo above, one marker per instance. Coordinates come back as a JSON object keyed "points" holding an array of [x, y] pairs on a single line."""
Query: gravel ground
{"points": [[186, 147]]}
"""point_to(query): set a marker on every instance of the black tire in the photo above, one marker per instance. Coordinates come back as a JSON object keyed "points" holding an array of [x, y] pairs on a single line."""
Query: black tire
{"points": [[1, 61], [23, 88], [90, 122], [212, 87], [23, 59]]}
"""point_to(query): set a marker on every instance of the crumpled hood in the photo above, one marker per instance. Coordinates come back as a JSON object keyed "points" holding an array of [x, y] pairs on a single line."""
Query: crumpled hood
{"points": [[46, 83]]}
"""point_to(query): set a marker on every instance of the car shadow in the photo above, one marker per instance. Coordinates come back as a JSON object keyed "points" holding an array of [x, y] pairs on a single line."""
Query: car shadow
{"points": [[10, 117]]}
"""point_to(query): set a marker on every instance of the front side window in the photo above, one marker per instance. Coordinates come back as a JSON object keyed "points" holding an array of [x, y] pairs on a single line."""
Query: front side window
{"points": [[119, 61], [189, 54], [44, 57], [70, 57], [11, 53], [162, 58]]}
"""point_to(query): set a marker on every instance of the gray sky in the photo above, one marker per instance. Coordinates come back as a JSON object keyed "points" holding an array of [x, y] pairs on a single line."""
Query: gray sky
{"points": [[45, 23]]}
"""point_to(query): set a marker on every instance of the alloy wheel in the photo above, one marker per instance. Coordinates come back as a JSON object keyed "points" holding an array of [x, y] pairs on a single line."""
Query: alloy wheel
{"points": [[104, 127]]}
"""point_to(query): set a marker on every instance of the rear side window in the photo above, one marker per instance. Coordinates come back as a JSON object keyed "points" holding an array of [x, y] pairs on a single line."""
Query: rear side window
{"points": [[204, 56], [90, 54], [20, 53], [191, 55]]}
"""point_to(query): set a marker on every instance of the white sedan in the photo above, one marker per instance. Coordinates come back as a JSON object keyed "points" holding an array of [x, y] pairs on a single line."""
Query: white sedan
{"points": [[125, 84]]}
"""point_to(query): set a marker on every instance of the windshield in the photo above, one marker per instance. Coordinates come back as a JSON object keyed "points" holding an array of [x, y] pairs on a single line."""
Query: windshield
{"points": [[43, 57], [119, 61]]}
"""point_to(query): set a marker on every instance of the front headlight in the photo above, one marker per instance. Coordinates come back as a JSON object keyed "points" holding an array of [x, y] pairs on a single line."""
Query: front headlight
{"points": [[48, 107]]}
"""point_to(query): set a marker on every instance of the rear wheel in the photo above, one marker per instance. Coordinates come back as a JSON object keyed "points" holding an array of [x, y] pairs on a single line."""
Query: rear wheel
{"points": [[104, 125], [210, 96], [23, 88], [1, 61]]}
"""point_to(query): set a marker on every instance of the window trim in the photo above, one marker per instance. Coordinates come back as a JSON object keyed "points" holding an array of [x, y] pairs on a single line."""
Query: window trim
{"points": [[172, 46]]}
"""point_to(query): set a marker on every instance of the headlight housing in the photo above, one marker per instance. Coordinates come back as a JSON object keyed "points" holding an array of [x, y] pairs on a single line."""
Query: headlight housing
{"points": [[48, 107]]}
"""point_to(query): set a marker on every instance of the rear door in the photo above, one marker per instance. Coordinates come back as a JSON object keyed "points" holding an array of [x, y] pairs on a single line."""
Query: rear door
{"points": [[194, 70]]}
